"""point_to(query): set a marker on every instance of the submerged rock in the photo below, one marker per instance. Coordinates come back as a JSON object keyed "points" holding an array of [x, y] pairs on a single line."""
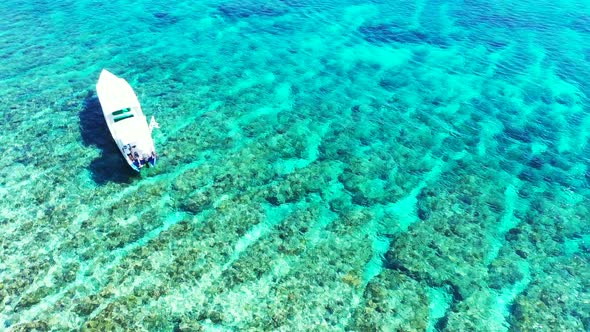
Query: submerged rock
{"points": [[392, 302]]}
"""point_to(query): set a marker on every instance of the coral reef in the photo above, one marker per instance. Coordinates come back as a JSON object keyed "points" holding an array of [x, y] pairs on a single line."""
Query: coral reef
{"points": [[392, 302]]}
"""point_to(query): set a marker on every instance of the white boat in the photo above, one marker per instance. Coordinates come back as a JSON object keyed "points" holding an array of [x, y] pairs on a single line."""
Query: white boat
{"points": [[126, 121]]}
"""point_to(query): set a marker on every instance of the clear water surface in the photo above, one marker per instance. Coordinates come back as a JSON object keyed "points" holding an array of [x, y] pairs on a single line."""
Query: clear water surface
{"points": [[325, 166]]}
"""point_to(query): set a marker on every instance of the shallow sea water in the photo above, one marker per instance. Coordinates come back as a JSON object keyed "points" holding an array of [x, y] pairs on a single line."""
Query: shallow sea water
{"points": [[324, 166]]}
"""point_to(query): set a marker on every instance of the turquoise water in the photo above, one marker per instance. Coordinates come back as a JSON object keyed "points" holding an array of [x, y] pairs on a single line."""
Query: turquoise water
{"points": [[324, 166]]}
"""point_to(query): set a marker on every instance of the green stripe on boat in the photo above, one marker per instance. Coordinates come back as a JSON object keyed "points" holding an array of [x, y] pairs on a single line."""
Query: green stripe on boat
{"points": [[125, 110], [123, 117]]}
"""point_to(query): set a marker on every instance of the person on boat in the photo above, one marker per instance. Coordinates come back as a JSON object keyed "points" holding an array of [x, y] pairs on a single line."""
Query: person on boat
{"points": [[143, 160], [127, 151], [152, 158]]}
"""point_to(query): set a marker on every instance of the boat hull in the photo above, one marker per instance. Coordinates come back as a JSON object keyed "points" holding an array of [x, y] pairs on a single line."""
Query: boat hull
{"points": [[126, 121]]}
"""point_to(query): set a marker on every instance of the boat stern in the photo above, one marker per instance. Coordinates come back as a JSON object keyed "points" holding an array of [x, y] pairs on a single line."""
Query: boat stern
{"points": [[136, 158]]}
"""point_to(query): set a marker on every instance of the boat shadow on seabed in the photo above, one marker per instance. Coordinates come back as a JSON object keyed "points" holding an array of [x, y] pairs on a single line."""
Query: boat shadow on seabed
{"points": [[110, 166]]}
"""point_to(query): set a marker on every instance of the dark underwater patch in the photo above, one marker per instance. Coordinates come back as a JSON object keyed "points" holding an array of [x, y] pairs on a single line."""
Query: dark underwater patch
{"points": [[393, 33], [164, 19], [391, 84], [476, 13], [245, 9], [496, 44], [508, 21], [581, 24], [296, 3]]}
